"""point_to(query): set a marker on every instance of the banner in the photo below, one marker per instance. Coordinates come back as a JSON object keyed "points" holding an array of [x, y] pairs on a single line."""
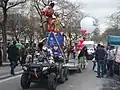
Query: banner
{"points": [[55, 40]]}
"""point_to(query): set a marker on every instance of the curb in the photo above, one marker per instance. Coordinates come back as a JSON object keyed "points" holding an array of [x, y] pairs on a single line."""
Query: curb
{"points": [[4, 65], [9, 75], [8, 64]]}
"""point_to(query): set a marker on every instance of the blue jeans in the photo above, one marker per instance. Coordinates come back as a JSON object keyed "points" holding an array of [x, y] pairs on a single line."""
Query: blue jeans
{"points": [[100, 67]]}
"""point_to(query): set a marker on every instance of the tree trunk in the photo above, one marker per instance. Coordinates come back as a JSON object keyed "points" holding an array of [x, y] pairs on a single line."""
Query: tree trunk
{"points": [[30, 37], [1, 56], [16, 37], [4, 35], [25, 38]]}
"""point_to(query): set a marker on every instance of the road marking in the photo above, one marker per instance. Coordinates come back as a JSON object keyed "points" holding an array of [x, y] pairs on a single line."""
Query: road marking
{"points": [[9, 75], [10, 78]]}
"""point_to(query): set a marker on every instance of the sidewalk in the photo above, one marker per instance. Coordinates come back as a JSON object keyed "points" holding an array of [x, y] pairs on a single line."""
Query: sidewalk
{"points": [[5, 64], [5, 71]]}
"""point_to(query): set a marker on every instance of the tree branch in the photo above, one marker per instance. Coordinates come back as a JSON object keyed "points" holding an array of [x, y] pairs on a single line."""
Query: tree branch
{"points": [[17, 3], [44, 3]]}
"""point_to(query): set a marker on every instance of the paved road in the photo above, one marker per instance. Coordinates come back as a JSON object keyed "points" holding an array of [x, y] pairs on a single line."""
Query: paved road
{"points": [[84, 81]]}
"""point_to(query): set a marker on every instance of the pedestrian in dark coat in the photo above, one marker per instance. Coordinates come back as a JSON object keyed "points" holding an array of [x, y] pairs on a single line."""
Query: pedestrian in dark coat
{"points": [[100, 59], [13, 54]]}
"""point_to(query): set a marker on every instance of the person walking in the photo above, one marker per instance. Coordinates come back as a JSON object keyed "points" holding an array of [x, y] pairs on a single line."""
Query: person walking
{"points": [[100, 58], [73, 52], [82, 57], [105, 64], [110, 59], [13, 54]]}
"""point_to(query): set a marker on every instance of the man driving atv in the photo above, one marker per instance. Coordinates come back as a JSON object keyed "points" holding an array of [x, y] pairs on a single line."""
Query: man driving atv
{"points": [[45, 52]]}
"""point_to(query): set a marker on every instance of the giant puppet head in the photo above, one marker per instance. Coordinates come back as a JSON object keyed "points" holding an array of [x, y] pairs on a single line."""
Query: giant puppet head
{"points": [[48, 10]]}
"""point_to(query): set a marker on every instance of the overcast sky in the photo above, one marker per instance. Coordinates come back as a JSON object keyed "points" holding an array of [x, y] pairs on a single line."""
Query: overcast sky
{"points": [[99, 8]]}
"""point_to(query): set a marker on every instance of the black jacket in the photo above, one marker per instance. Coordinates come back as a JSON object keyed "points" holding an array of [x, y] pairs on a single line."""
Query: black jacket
{"points": [[83, 53], [13, 53], [100, 54]]}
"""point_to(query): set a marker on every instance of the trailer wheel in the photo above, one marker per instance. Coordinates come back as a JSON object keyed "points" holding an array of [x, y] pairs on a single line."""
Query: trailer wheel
{"points": [[79, 69], [66, 73], [62, 76]]}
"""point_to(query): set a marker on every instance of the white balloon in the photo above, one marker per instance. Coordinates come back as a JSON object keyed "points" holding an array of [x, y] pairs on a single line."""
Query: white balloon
{"points": [[88, 23]]}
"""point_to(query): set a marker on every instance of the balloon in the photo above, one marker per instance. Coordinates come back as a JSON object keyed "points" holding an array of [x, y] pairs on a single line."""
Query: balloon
{"points": [[88, 23], [81, 41], [83, 30], [80, 44]]}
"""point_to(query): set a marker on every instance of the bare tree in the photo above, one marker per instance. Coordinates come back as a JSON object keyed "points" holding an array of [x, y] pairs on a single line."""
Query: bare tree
{"points": [[5, 7], [114, 20], [39, 5], [17, 24]]}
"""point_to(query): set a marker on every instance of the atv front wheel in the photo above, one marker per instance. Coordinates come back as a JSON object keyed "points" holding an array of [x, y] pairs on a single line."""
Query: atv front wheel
{"points": [[52, 81], [25, 83]]}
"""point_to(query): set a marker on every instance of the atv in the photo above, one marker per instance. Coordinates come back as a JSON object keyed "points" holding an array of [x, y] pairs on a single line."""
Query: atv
{"points": [[44, 71], [39, 72]]}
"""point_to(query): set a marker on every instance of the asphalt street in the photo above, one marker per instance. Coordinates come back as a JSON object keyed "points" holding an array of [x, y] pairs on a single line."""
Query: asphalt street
{"points": [[77, 81]]}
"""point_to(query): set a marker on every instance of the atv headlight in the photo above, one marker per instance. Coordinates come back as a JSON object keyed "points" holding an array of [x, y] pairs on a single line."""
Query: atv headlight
{"points": [[24, 68], [45, 68]]}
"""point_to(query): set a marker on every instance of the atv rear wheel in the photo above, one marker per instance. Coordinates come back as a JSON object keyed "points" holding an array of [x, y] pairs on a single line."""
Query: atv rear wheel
{"points": [[52, 81]]}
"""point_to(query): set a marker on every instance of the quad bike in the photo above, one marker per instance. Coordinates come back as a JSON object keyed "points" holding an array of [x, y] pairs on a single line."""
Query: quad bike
{"points": [[39, 72], [42, 70]]}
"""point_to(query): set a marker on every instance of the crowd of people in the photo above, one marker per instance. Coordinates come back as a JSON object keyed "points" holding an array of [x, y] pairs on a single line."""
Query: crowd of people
{"points": [[22, 53], [19, 54], [104, 60], [103, 57]]}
